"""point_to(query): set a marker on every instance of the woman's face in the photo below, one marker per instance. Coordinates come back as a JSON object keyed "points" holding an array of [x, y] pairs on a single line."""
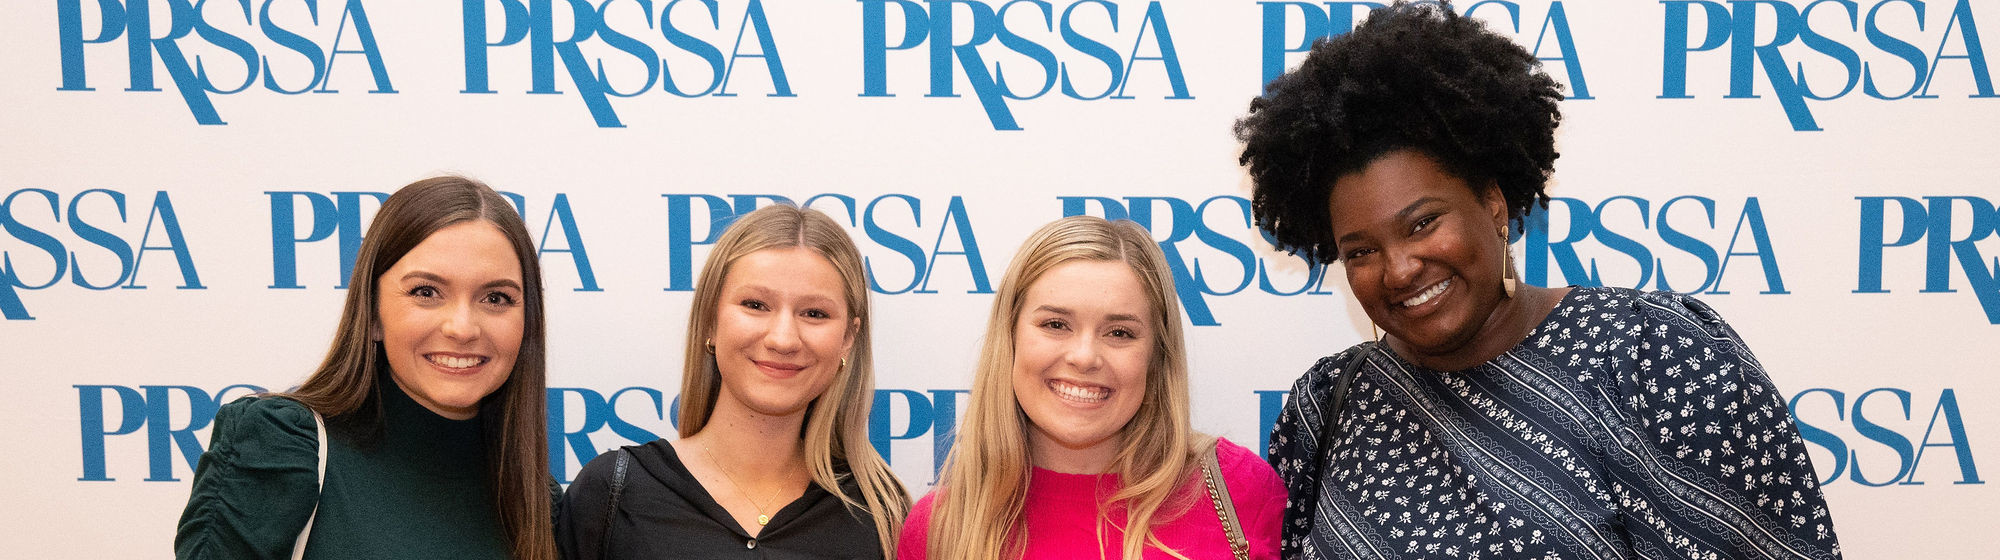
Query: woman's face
{"points": [[450, 316], [781, 330], [1422, 250], [1082, 347]]}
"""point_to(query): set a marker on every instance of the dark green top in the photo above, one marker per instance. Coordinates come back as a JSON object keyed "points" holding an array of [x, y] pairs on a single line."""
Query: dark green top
{"points": [[419, 491]]}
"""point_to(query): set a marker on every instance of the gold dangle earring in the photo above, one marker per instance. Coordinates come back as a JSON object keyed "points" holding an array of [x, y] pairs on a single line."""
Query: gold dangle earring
{"points": [[1506, 263]]}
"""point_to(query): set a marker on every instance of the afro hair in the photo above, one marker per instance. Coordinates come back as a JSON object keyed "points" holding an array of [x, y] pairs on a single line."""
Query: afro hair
{"points": [[1413, 76]]}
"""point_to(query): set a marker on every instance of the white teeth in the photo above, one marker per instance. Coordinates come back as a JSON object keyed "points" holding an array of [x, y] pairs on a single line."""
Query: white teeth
{"points": [[1079, 393], [453, 362], [1428, 294]]}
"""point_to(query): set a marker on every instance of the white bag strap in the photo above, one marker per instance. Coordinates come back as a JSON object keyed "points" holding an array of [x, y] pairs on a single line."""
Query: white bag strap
{"points": [[299, 549]]}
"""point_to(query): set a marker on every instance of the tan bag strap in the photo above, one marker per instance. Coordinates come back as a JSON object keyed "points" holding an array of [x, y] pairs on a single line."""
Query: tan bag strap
{"points": [[299, 548], [1225, 509]]}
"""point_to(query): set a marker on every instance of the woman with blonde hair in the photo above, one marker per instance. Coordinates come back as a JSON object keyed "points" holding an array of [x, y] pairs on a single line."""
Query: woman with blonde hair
{"points": [[773, 455], [1077, 443]]}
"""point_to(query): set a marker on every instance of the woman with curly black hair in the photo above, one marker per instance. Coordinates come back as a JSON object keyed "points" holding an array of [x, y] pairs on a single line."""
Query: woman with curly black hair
{"points": [[1496, 419]]}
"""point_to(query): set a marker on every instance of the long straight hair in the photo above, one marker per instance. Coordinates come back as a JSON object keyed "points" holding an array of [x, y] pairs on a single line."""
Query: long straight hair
{"points": [[978, 510], [347, 386], [836, 421]]}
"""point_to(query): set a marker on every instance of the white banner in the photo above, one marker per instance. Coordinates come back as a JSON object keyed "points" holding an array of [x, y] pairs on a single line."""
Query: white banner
{"points": [[184, 183]]}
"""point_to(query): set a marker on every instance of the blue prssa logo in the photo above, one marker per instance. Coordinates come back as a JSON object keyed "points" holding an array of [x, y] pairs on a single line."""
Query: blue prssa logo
{"points": [[75, 236], [643, 42], [1574, 237], [304, 218], [895, 223], [205, 45], [1074, 47], [1187, 228], [1885, 429], [931, 412], [108, 414], [1824, 56], [151, 407], [1551, 43], [1933, 220]]}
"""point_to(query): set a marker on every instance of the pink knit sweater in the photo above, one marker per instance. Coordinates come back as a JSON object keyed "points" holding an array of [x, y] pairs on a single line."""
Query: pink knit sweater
{"points": [[1061, 515]]}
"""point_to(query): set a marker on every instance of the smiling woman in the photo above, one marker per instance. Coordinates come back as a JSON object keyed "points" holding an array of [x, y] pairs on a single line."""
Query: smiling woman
{"points": [[1077, 442], [433, 402], [773, 455], [1496, 419]]}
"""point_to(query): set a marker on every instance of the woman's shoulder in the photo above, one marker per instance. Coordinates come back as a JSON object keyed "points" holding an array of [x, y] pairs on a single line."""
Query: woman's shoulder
{"points": [[1652, 307], [602, 469], [913, 542], [1241, 466], [920, 512], [1229, 455], [1328, 368], [264, 419], [1331, 365]]}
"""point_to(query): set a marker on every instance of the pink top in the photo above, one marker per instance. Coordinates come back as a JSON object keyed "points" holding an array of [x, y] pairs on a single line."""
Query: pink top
{"points": [[1061, 515]]}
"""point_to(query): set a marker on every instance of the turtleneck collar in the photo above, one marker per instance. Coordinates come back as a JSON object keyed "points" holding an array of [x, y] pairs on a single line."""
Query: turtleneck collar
{"points": [[437, 443]]}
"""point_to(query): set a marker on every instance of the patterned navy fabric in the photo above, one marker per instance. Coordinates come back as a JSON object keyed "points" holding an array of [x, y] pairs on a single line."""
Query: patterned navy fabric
{"points": [[1627, 425]]}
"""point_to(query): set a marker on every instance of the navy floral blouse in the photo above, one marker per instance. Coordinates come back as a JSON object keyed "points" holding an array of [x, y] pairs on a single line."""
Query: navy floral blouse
{"points": [[1627, 425]]}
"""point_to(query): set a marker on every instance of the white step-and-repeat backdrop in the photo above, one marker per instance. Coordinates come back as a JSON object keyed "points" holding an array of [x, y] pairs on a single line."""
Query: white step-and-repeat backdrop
{"points": [[182, 185]]}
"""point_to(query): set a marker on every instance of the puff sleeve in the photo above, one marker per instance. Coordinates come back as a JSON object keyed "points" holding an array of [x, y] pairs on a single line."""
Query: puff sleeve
{"points": [[1712, 465], [255, 486]]}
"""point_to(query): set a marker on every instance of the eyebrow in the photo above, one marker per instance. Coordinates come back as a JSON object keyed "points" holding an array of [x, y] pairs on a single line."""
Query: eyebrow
{"points": [[756, 290], [1401, 216], [1124, 317], [1112, 317], [501, 283]]}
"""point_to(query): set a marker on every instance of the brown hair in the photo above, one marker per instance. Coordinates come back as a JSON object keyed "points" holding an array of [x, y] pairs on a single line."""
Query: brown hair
{"points": [[347, 386]]}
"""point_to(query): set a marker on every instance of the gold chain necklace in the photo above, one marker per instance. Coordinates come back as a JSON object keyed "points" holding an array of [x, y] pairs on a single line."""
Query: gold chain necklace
{"points": [[762, 519]]}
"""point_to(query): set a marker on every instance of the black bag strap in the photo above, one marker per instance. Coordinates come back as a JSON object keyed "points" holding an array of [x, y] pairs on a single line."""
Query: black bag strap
{"points": [[618, 469], [1330, 424]]}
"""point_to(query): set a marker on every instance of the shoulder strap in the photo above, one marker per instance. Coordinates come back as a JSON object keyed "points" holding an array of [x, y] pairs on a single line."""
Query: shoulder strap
{"points": [[622, 464], [1225, 509], [319, 426], [1330, 424]]}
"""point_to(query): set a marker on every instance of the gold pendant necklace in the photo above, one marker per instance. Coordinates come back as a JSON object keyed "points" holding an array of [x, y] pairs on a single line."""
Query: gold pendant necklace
{"points": [[762, 519]]}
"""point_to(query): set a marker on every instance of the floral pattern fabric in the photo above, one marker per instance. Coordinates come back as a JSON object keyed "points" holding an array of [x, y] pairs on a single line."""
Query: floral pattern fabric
{"points": [[1626, 425]]}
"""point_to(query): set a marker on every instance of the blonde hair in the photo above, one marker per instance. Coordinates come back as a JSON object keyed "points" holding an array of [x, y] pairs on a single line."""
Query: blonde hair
{"points": [[978, 509], [836, 422]]}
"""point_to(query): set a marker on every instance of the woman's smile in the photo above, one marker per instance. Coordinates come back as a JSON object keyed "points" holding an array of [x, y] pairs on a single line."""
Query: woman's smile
{"points": [[456, 363], [1426, 296], [778, 369], [1081, 394]]}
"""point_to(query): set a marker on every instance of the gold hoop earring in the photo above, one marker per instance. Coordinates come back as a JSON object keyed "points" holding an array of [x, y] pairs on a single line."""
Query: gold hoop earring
{"points": [[1377, 330], [1507, 282], [843, 365], [711, 345]]}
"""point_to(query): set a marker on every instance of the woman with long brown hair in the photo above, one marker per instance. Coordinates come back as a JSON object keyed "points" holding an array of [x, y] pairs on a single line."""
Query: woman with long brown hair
{"points": [[1077, 442], [773, 454], [422, 433]]}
